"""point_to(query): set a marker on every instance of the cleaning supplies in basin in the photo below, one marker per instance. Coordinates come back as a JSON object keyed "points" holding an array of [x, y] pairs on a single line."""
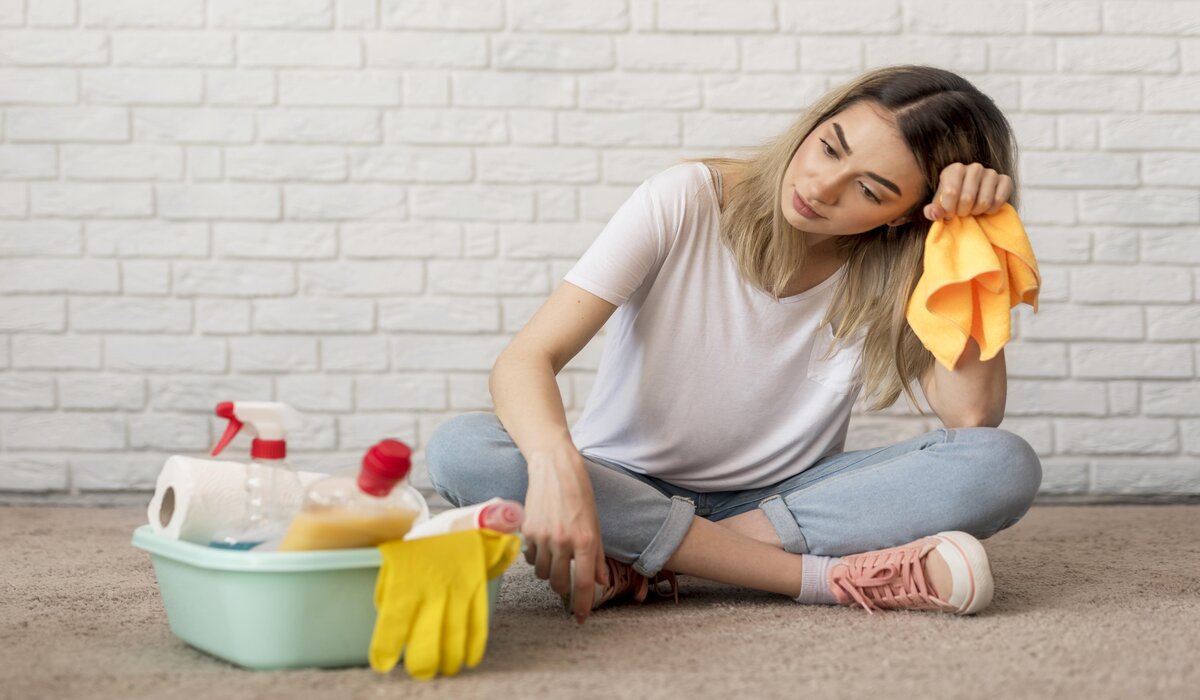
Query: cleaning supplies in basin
{"points": [[495, 514], [272, 488], [360, 508]]}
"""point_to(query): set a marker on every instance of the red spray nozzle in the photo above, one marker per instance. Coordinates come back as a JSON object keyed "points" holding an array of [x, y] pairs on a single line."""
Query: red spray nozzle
{"points": [[386, 463], [502, 516], [225, 410]]}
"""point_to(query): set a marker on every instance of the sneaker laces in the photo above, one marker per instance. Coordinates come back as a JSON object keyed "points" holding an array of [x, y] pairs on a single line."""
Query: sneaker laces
{"points": [[622, 577], [890, 578]]}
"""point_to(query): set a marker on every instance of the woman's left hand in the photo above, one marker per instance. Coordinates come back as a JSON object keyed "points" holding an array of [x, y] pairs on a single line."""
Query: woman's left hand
{"points": [[968, 189]]}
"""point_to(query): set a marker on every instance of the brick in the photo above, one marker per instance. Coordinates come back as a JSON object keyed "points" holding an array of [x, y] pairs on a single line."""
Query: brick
{"points": [[425, 165], [60, 431], [1042, 398], [339, 88], [91, 200], [489, 203], [467, 315], [1124, 398], [1163, 132], [53, 13], [1079, 169], [716, 16], [556, 204], [146, 239], [316, 433], [66, 124], [1021, 54], [272, 14], [222, 316], [169, 432], [1131, 360], [354, 354], [1078, 322], [405, 392], [1078, 132], [1177, 17], [435, 126], [57, 352], [853, 17], [143, 13], [544, 15], [37, 275], [1117, 55], [104, 314], [1171, 94], [182, 49], [1064, 17], [667, 53], [200, 394], [340, 202], [223, 201], [371, 279], [298, 50], [471, 277], [164, 354], [231, 278], [463, 15], [38, 87], [120, 472], [316, 393], [26, 391], [1122, 284], [1141, 207], [518, 89], [960, 54], [1171, 169], [400, 239], [433, 352], [948, 17], [820, 54], [1171, 398], [1173, 322], [752, 92], [101, 392], [718, 130], [283, 241], [24, 314], [469, 392], [1111, 436], [143, 86], [32, 473], [1061, 476], [1080, 93], [1191, 436], [145, 277], [427, 50], [322, 126], [1023, 359], [357, 14], [571, 52], [1147, 476], [274, 355], [314, 315], [359, 432], [425, 88], [1167, 246], [244, 87], [1034, 132], [194, 125], [1061, 244], [276, 163], [127, 162], [1115, 245], [54, 48]]}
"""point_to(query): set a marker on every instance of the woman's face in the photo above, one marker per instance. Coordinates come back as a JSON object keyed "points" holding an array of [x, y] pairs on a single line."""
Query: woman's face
{"points": [[855, 172]]}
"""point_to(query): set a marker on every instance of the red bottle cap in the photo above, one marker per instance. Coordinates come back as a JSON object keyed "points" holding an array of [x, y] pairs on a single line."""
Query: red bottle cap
{"points": [[387, 462]]}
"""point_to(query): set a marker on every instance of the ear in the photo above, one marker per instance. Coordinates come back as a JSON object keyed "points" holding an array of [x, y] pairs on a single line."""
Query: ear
{"points": [[898, 221]]}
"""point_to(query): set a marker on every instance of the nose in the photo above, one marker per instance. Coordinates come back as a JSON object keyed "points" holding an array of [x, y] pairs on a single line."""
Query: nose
{"points": [[823, 191]]}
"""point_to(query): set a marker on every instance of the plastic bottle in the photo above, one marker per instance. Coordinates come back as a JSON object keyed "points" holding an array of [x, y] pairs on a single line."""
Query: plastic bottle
{"points": [[495, 514], [359, 508], [273, 489]]}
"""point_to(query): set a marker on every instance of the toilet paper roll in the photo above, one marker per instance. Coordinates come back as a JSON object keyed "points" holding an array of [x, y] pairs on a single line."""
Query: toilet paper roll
{"points": [[194, 498]]}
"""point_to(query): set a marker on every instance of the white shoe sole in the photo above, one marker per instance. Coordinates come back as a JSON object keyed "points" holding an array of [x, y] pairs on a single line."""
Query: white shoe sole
{"points": [[972, 587]]}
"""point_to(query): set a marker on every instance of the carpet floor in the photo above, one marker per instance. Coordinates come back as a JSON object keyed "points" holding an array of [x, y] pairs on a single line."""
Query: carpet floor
{"points": [[1091, 602]]}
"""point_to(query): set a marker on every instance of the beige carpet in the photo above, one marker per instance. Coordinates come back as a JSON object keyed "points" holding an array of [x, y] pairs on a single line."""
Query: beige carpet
{"points": [[1096, 602]]}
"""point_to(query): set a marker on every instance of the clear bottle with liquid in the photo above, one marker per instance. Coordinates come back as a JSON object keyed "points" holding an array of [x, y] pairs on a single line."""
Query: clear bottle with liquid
{"points": [[359, 508]]}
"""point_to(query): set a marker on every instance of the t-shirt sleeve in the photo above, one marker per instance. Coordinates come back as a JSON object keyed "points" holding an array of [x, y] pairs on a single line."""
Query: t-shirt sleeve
{"points": [[632, 243]]}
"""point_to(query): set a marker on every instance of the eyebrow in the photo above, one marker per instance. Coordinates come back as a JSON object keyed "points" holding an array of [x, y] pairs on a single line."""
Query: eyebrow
{"points": [[882, 180]]}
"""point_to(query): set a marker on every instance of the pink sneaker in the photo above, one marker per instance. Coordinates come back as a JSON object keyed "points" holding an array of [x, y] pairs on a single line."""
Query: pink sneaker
{"points": [[895, 577], [623, 580]]}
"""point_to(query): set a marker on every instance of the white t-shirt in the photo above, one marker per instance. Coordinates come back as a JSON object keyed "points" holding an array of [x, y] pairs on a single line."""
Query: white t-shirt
{"points": [[706, 381]]}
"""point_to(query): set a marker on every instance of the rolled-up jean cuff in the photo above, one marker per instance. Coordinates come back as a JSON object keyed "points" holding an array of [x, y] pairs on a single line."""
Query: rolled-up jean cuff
{"points": [[785, 525], [668, 538]]}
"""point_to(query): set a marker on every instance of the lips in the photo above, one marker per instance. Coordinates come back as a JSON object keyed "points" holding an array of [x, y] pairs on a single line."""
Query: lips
{"points": [[802, 208]]}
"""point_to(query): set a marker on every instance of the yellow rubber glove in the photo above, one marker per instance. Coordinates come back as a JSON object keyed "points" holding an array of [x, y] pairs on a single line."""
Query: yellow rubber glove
{"points": [[432, 601]]}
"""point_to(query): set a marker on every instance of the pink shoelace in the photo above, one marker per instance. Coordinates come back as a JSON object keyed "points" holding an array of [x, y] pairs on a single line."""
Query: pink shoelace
{"points": [[622, 577], [888, 578]]}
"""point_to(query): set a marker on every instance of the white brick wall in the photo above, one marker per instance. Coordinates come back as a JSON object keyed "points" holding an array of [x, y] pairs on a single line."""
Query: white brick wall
{"points": [[352, 206]]}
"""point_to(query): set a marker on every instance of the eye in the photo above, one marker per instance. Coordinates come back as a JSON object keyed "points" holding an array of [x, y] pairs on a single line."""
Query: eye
{"points": [[866, 190], [870, 195], [828, 149]]}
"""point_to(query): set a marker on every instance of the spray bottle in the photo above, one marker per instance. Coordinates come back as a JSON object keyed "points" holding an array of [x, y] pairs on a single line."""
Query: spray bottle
{"points": [[273, 489], [360, 507]]}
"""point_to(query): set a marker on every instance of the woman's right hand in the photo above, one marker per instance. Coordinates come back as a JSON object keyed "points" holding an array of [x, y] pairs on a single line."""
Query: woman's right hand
{"points": [[561, 524]]}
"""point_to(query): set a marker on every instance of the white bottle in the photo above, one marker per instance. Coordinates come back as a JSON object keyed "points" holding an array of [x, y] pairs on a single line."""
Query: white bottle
{"points": [[273, 489], [495, 514]]}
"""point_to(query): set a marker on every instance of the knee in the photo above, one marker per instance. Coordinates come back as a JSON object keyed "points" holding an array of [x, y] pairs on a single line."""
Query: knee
{"points": [[454, 447], [1014, 471]]}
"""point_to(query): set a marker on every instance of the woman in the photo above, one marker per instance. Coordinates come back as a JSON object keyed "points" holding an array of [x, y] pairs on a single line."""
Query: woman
{"points": [[751, 301]]}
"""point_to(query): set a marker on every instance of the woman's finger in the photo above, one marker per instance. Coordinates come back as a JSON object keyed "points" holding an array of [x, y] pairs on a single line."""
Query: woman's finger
{"points": [[969, 191], [987, 192]]}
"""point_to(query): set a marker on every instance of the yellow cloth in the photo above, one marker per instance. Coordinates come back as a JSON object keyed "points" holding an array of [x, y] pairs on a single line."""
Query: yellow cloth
{"points": [[432, 601], [976, 269]]}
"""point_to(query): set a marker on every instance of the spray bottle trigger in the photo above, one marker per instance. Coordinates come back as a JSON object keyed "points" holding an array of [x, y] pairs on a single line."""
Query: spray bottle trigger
{"points": [[225, 410]]}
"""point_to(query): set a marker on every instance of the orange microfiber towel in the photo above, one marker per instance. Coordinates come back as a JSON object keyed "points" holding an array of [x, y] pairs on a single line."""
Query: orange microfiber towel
{"points": [[976, 269]]}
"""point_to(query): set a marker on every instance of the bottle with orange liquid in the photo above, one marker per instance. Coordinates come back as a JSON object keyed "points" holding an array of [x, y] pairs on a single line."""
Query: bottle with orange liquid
{"points": [[359, 509]]}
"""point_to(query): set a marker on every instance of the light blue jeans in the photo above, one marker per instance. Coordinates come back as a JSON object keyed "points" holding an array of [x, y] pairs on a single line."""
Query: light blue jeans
{"points": [[978, 480]]}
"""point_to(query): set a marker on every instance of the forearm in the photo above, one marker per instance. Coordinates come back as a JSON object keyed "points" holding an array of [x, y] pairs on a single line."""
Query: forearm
{"points": [[973, 394], [528, 403]]}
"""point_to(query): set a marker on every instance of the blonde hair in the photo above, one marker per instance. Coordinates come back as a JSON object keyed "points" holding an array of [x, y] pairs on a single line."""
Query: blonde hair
{"points": [[944, 119]]}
